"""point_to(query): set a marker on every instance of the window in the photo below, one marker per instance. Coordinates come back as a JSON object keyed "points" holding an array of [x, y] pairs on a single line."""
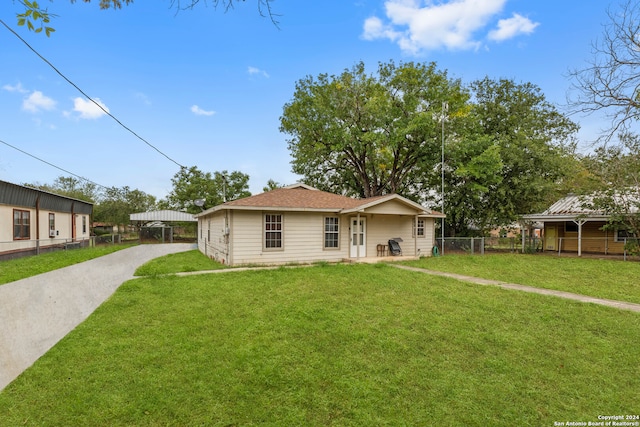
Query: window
{"points": [[331, 232], [21, 225], [570, 227], [52, 225], [273, 231], [621, 235], [84, 225], [420, 228]]}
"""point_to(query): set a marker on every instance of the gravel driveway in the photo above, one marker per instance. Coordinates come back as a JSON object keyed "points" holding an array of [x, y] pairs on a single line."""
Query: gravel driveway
{"points": [[37, 312]]}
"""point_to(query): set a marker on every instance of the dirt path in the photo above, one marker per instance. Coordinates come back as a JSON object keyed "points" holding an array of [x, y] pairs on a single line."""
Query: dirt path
{"points": [[561, 294]]}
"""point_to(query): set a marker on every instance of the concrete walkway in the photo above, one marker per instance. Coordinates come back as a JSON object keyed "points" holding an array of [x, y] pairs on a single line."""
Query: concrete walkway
{"points": [[37, 312], [568, 295]]}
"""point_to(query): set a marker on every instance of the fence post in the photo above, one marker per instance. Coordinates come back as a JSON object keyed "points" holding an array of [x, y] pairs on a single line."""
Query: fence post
{"points": [[482, 246], [472, 246]]}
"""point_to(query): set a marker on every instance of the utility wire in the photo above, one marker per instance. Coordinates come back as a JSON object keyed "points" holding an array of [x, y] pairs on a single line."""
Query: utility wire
{"points": [[88, 97], [51, 164]]}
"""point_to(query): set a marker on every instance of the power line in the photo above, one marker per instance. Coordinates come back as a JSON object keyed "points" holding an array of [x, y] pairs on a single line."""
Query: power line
{"points": [[51, 164], [88, 97]]}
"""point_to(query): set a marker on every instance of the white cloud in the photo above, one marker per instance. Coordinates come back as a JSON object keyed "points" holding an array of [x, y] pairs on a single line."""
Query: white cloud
{"points": [[17, 88], [87, 109], [257, 71], [200, 112], [423, 25], [37, 101], [514, 26]]}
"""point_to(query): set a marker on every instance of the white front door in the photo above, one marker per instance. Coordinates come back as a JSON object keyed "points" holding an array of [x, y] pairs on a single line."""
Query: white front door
{"points": [[358, 238]]}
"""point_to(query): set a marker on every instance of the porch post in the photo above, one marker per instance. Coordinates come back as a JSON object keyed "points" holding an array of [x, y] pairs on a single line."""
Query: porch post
{"points": [[415, 236], [580, 222], [358, 231]]}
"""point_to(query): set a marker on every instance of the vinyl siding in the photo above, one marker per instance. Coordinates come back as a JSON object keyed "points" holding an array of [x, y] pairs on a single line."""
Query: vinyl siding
{"points": [[381, 228], [212, 240], [303, 239]]}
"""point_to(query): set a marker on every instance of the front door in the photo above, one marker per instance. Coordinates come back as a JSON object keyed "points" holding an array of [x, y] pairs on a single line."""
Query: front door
{"points": [[550, 238], [358, 238]]}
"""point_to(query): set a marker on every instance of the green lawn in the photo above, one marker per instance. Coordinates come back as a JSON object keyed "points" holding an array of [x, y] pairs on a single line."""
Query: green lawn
{"points": [[181, 262], [610, 279], [16, 269], [343, 345]]}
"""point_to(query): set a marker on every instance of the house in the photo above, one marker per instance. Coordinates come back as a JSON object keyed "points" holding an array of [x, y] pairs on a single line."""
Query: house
{"points": [[570, 226], [302, 224], [32, 221]]}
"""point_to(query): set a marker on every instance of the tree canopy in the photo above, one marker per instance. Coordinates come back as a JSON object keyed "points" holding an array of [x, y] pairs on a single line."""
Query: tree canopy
{"points": [[505, 146], [366, 135], [610, 81], [191, 184]]}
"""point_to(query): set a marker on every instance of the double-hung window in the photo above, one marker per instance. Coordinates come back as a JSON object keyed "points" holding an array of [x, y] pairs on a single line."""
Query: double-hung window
{"points": [[21, 225], [419, 230], [331, 232], [273, 231]]}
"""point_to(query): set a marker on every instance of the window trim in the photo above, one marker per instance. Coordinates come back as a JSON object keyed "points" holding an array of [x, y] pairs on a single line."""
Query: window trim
{"points": [[21, 224], [265, 231], [325, 233], [423, 228], [52, 225], [618, 239]]}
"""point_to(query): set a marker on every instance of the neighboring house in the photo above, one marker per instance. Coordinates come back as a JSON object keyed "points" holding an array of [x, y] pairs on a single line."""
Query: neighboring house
{"points": [[570, 227], [302, 224], [33, 220]]}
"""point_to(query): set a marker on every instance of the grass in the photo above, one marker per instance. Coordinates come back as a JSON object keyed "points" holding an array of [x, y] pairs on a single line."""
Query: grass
{"points": [[181, 262], [344, 345], [20, 268], [610, 279]]}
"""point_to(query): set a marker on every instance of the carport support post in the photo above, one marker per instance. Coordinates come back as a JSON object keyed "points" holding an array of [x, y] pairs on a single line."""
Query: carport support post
{"points": [[580, 222]]}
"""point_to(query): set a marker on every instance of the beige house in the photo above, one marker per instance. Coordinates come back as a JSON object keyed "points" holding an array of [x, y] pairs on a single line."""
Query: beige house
{"points": [[32, 221], [569, 226], [300, 224]]}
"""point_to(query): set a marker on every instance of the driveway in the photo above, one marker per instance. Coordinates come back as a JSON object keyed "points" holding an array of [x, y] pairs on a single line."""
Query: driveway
{"points": [[37, 312]]}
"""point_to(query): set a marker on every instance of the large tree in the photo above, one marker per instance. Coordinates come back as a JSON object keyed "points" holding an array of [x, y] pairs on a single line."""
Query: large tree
{"points": [[518, 148], [368, 135], [71, 187], [610, 82], [191, 184], [616, 171], [37, 18], [116, 204]]}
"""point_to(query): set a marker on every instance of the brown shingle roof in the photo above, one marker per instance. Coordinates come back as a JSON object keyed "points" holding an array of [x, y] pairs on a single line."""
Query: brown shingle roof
{"points": [[300, 198]]}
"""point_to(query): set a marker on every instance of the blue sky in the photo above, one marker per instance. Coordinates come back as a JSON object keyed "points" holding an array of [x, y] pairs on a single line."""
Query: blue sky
{"points": [[207, 87]]}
